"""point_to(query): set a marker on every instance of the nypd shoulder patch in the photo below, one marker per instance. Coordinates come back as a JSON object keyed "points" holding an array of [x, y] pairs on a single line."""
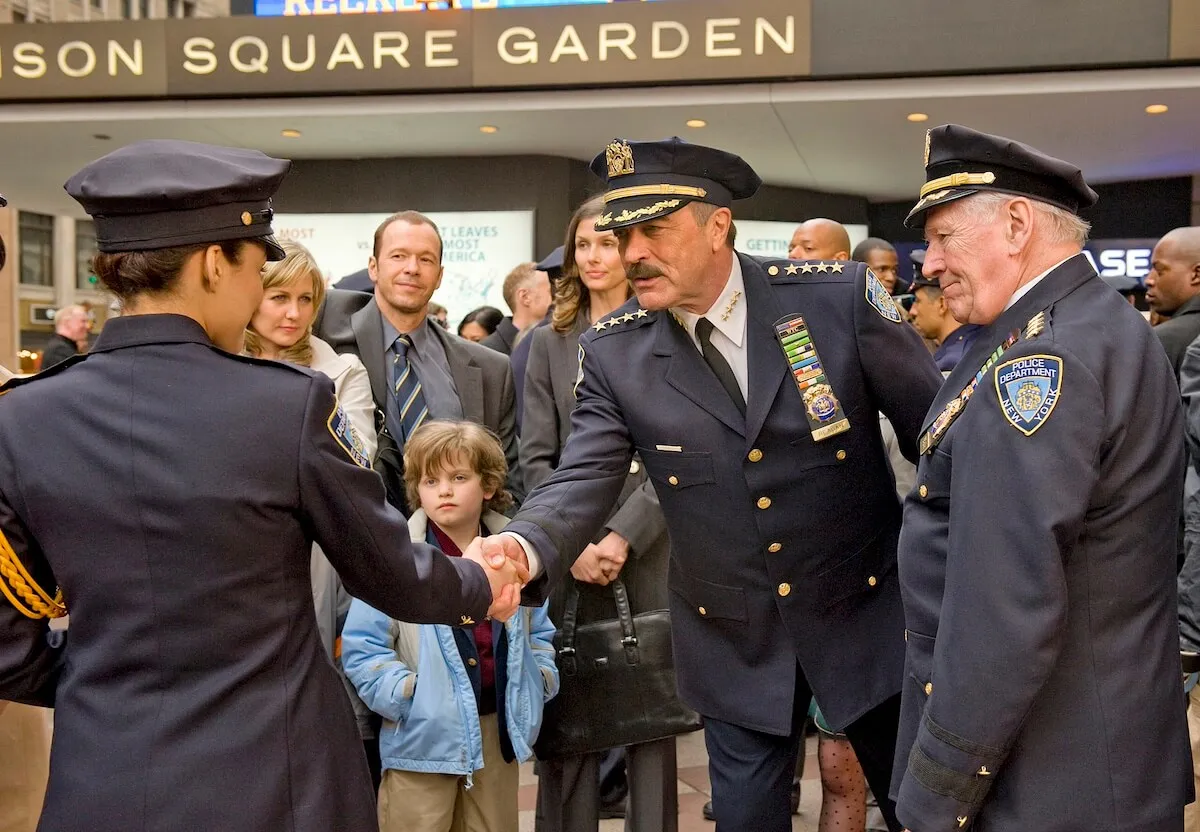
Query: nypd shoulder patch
{"points": [[878, 297], [1028, 388], [347, 437]]}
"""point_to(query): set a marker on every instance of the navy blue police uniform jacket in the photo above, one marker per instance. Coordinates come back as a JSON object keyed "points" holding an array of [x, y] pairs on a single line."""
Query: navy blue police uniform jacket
{"points": [[783, 549], [1037, 562], [173, 492]]}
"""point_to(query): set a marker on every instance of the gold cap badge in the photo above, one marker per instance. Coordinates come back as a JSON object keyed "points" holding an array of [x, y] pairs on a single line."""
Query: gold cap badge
{"points": [[247, 218], [928, 137], [620, 159]]}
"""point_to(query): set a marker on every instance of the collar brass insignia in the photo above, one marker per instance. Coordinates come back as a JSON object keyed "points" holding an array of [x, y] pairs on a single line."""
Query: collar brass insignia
{"points": [[620, 159]]}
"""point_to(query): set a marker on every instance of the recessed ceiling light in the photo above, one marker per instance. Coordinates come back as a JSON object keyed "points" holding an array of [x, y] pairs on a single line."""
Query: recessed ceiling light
{"points": [[489, 128], [290, 133], [696, 122], [101, 136], [1156, 109], [917, 117]]}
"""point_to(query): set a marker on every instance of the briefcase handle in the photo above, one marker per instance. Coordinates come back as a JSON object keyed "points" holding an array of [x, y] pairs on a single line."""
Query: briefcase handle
{"points": [[629, 641]]}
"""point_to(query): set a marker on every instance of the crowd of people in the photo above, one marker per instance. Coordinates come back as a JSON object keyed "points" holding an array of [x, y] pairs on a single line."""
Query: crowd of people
{"points": [[336, 560]]}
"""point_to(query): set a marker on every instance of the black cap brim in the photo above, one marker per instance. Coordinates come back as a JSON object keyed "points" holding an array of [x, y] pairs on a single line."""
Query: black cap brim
{"points": [[275, 251], [622, 213]]}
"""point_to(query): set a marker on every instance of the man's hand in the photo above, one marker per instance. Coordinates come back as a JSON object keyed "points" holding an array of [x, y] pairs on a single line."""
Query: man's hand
{"points": [[601, 563], [500, 547], [505, 575], [589, 568]]}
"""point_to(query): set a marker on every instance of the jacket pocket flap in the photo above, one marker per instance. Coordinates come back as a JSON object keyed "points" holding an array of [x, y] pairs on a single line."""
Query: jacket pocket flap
{"points": [[708, 599], [678, 470]]}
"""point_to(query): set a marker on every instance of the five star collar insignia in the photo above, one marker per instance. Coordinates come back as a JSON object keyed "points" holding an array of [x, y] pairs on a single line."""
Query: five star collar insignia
{"points": [[1028, 388], [878, 297], [347, 437], [824, 412]]}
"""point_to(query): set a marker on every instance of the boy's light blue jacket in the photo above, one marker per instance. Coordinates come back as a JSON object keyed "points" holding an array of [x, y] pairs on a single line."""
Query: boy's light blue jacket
{"points": [[414, 677]]}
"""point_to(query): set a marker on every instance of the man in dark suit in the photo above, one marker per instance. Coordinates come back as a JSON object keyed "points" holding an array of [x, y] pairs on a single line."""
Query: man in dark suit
{"points": [[418, 371], [527, 293], [1037, 560], [1173, 291], [750, 390]]}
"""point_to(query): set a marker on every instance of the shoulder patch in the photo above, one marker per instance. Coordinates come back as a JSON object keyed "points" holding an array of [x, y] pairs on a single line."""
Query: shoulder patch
{"points": [[878, 297], [1028, 388], [621, 321], [345, 435]]}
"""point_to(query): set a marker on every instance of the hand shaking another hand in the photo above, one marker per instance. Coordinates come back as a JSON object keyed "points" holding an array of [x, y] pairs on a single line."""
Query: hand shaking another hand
{"points": [[507, 568]]}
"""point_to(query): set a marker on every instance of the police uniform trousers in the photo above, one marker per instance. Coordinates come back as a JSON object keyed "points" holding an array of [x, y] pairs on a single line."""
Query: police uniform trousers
{"points": [[24, 765], [569, 790]]}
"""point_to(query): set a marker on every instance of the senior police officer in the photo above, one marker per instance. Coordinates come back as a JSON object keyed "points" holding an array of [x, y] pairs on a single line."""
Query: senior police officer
{"points": [[172, 490], [1037, 560], [751, 392]]}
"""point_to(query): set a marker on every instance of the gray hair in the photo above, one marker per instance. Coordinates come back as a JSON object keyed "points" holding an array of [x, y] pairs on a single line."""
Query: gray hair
{"points": [[1058, 224]]}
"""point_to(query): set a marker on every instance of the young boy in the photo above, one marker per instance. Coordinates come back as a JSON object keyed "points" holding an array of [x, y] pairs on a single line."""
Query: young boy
{"points": [[462, 706]]}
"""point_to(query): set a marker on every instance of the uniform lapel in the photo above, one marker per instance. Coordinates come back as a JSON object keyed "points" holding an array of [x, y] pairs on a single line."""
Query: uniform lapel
{"points": [[687, 373], [367, 325], [767, 368]]}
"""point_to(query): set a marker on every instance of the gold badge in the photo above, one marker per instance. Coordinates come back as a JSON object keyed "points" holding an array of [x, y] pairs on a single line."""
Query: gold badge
{"points": [[928, 138], [620, 159], [247, 218]]}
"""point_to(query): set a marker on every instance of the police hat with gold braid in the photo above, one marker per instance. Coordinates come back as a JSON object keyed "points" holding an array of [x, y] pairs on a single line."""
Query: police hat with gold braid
{"points": [[647, 180], [960, 161]]}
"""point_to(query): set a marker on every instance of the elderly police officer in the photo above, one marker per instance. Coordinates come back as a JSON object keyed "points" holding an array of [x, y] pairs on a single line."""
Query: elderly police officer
{"points": [[750, 391], [1037, 560], [146, 482]]}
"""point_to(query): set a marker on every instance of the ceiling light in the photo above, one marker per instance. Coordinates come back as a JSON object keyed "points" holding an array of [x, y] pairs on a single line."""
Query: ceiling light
{"points": [[489, 128], [1156, 109], [290, 133], [696, 122], [915, 117]]}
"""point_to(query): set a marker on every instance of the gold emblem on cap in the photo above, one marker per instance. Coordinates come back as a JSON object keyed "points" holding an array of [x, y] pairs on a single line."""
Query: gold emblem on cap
{"points": [[620, 159], [247, 218], [928, 138]]}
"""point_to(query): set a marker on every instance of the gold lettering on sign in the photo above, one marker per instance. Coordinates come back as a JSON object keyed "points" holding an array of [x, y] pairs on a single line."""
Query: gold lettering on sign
{"points": [[89, 59], [255, 64], [713, 37], [527, 48], [134, 63], [786, 42], [310, 51], [30, 63], [433, 47], [657, 50], [623, 43], [395, 52], [568, 44], [344, 52], [200, 57]]}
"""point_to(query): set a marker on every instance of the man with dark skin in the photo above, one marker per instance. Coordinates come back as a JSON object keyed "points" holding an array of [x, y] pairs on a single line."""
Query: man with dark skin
{"points": [[1172, 290], [880, 257], [820, 239]]}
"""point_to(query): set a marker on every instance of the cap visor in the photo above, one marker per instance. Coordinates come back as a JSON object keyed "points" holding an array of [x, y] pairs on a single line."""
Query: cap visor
{"points": [[916, 217], [622, 213], [275, 251]]}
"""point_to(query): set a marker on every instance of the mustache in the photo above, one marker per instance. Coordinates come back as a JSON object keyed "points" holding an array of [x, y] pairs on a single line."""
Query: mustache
{"points": [[642, 271]]}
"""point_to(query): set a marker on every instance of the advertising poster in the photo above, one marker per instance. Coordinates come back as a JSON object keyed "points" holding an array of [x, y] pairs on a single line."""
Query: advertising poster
{"points": [[481, 248]]}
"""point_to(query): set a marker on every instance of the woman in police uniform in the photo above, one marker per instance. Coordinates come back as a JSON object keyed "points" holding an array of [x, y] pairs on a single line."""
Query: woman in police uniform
{"points": [[143, 481]]}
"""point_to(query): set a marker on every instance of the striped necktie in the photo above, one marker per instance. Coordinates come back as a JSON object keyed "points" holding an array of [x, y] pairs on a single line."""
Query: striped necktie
{"points": [[410, 401]]}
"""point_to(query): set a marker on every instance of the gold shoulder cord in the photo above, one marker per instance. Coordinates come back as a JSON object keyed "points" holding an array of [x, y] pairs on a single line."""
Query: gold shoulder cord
{"points": [[22, 590]]}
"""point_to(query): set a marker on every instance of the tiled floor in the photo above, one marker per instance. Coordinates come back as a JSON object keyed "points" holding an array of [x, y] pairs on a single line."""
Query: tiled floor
{"points": [[693, 790]]}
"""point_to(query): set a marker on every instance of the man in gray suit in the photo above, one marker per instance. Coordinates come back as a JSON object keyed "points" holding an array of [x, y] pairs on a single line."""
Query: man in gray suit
{"points": [[418, 371]]}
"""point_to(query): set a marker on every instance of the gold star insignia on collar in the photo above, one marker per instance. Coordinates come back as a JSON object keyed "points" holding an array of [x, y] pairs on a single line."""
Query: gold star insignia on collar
{"points": [[627, 317], [822, 268], [792, 268], [599, 327], [837, 268], [807, 268], [732, 303], [641, 313]]}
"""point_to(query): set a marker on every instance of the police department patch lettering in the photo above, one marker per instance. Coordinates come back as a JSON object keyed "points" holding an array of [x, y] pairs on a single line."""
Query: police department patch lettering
{"points": [[877, 296], [1028, 388], [345, 434]]}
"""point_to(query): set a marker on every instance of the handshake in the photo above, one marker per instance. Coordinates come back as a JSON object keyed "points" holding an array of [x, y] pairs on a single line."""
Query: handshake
{"points": [[504, 561]]}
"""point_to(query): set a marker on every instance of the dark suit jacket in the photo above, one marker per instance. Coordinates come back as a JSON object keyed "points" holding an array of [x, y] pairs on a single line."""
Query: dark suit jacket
{"points": [[1038, 572], [352, 323], [1179, 331], [504, 337], [550, 398], [59, 348], [174, 492], [782, 548]]}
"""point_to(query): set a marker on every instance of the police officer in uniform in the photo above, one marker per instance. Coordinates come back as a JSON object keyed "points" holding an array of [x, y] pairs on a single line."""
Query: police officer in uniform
{"points": [[750, 390], [144, 488], [1037, 562]]}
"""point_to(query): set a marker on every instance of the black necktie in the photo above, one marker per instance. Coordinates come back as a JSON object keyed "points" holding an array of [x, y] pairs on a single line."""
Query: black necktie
{"points": [[718, 364]]}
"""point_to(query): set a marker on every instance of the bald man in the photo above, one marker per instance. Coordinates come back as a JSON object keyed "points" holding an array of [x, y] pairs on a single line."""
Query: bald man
{"points": [[1173, 291], [820, 239]]}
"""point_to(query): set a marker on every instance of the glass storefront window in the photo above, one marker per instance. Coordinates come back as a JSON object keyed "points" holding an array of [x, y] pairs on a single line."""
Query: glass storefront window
{"points": [[36, 232], [85, 247]]}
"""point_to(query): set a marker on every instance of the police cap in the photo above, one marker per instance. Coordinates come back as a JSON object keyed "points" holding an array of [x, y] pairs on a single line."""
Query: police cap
{"points": [[164, 193], [652, 179], [552, 264], [960, 161]]}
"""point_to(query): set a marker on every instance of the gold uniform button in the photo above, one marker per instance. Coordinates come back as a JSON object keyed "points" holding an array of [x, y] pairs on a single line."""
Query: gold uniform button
{"points": [[841, 455], [923, 491], [774, 270], [674, 480], [785, 590], [774, 547], [871, 581], [472, 662], [764, 502], [703, 611], [634, 466], [755, 455], [928, 688]]}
